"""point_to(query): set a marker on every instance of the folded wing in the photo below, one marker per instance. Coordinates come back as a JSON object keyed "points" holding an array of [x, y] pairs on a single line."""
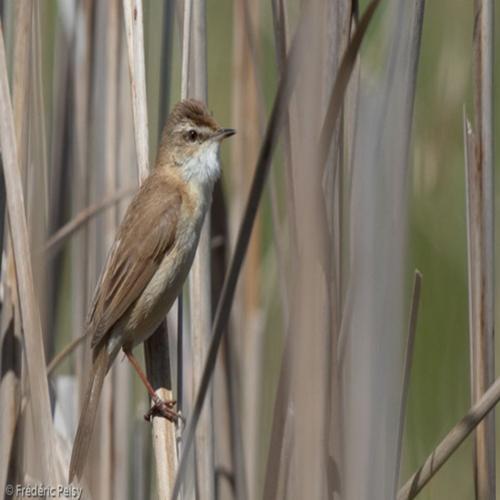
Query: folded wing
{"points": [[145, 236]]}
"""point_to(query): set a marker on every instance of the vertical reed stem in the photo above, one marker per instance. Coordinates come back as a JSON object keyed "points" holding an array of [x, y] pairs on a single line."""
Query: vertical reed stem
{"points": [[199, 278], [156, 347], [33, 337], [483, 349]]}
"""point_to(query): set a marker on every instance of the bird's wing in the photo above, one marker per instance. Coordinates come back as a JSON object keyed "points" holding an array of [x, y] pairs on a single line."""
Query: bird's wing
{"points": [[145, 236]]}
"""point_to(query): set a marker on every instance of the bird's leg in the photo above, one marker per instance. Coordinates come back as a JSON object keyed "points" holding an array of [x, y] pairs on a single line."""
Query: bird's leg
{"points": [[160, 407]]}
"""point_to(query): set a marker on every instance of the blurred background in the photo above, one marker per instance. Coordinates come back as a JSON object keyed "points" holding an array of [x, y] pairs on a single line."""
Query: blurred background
{"points": [[305, 396]]}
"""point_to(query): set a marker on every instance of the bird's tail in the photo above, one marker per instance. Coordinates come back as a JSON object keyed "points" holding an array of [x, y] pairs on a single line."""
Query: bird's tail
{"points": [[88, 414]]}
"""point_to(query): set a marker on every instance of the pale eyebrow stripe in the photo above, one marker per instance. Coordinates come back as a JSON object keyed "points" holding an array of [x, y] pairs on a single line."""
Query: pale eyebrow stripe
{"points": [[184, 127]]}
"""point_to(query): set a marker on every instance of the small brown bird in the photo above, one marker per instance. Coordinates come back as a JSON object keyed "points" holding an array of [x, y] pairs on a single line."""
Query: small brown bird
{"points": [[151, 255]]}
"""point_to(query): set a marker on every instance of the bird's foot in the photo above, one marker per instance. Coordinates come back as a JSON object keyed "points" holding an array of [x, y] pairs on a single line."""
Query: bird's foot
{"points": [[163, 409]]}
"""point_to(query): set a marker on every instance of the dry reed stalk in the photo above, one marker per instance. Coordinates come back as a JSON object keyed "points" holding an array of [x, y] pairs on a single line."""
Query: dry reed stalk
{"points": [[336, 28], [335, 25], [20, 100], [280, 23], [33, 336], [232, 387], [342, 79], [65, 232], [227, 419], [372, 322], [186, 47], [164, 438], [311, 314], [135, 43], [246, 104], [140, 442], [408, 361], [273, 128], [166, 63], [2, 211], [10, 385], [333, 112], [446, 448], [21, 78], [472, 189], [286, 457], [334, 109], [184, 9], [198, 77], [281, 403], [280, 419], [279, 241], [416, 28], [59, 163], [38, 195], [275, 473], [281, 43], [77, 27], [37, 181], [119, 402], [200, 306], [40, 138], [55, 242], [101, 230], [482, 231], [250, 306], [413, 59], [156, 347], [80, 98], [172, 323], [63, 353], [10, 389], [473, 183], [65, 32], [111, 169], [129, 175]]}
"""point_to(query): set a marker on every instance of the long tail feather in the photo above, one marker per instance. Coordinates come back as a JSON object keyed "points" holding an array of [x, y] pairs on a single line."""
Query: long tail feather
{"points": [[88, 415]]}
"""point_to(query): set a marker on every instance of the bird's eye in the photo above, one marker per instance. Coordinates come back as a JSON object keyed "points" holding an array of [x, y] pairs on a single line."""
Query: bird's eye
{"points": [[192, 135]]}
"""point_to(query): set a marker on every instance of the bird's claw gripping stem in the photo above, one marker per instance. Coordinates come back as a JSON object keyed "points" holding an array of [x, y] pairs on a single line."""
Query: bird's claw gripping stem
{"points": [[163, 409]]}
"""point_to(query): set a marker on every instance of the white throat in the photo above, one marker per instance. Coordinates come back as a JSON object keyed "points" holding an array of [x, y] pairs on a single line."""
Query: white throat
{"points": [[204, 167]]}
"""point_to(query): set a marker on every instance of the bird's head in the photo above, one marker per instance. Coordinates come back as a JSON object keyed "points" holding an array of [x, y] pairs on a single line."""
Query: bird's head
{"points": [[190, 142]]}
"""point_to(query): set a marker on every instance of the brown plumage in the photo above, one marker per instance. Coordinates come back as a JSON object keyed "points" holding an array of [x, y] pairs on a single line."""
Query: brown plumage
{"points": [[139, 248], [192, 110], [152, 253]]}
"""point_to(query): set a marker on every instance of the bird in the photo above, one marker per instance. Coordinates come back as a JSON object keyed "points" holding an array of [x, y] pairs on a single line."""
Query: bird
{"points": [[150, 257]]}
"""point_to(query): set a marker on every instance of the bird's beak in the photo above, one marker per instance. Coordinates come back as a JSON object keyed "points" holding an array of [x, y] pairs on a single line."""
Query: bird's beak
{"points": [[222, 133]]}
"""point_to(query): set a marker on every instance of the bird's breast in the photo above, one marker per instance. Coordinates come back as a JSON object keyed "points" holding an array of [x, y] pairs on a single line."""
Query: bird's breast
{"points": [[166, 284]]}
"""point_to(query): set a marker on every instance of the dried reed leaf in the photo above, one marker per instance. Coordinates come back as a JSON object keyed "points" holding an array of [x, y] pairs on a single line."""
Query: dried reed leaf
{"points": [[63, 234], [41, 414], [455, 437], [408, 361], [342, 79]]}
